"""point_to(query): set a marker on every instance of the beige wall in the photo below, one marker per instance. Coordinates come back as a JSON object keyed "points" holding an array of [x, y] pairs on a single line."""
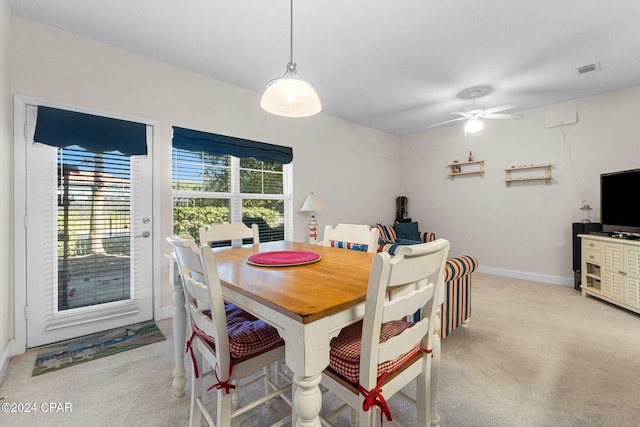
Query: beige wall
{"points": [[6, 288], [524, 230], [357, 172], [334, 158]]}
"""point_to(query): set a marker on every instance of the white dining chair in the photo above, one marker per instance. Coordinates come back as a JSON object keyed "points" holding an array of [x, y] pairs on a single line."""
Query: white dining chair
{"points": [[228, 233], [373, 359], [231, 341], [351, 236]]}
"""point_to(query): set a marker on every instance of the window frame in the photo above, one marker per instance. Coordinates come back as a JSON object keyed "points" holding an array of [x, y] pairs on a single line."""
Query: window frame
{"points": [[236, 198]]}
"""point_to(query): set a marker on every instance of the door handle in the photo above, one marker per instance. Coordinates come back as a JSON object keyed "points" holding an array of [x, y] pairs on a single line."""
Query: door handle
{"points": [[144, 234]]}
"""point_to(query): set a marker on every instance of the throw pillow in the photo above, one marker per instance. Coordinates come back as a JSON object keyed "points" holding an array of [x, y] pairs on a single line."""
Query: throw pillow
{"points": [[407, 242], [407, 231]]}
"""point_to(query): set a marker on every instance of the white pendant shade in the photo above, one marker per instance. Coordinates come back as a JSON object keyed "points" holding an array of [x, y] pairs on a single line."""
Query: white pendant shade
{"points": [[290, 96]]}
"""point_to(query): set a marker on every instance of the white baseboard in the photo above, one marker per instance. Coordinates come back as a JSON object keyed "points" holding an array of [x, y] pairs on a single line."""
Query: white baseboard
{"points": [[5, 359], [525, 275]]}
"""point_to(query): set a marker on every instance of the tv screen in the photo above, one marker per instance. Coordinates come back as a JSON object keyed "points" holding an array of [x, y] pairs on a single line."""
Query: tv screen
{"points": [[619, 193]]}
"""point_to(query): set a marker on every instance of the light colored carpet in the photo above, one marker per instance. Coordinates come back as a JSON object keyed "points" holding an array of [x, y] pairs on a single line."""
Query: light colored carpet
{"points": [[533, 355]]}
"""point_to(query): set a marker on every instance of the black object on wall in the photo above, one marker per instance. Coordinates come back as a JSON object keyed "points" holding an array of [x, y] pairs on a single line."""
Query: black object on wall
{"points": [[401, 209], [580, 228]]}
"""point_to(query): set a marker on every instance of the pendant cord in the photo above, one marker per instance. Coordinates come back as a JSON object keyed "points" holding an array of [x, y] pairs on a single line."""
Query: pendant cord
{"points": [[291, 35]]}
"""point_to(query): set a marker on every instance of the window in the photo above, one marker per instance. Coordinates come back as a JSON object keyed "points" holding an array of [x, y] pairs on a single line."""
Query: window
{"points": [[211, 189], [93, 227]]}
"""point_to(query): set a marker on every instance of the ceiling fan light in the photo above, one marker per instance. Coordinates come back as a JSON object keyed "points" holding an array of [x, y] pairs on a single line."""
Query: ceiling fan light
{"points": [[290, 96], [473, 125]]}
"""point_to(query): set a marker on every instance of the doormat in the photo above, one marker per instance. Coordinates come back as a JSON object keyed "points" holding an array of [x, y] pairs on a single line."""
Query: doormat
{"points": [[90, 347]]}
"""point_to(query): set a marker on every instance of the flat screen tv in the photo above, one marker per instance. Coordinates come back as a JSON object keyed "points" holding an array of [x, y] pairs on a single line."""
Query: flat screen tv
{"points": [[619, 194]]}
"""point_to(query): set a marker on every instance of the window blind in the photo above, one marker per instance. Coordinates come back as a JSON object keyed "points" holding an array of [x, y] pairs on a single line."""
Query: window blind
{"points": [[211, 143], [64, 128], [94, 195]]}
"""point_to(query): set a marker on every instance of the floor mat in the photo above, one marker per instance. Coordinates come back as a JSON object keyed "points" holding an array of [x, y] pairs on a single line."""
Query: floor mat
{"points": [[84, 349]]}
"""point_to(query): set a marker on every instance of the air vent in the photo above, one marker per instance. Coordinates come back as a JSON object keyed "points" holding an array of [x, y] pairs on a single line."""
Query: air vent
{"points": [[591, 68]]}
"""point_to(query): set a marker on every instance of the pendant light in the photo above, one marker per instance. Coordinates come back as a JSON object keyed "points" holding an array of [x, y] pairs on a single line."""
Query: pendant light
{"points": [[290, 95]]}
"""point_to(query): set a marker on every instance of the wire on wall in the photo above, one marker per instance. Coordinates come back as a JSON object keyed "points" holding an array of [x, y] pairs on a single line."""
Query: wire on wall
{"points": [[573, 167]]}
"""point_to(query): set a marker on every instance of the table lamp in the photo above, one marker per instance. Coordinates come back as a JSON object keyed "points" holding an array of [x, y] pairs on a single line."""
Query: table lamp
{"points": [[312, 204]]}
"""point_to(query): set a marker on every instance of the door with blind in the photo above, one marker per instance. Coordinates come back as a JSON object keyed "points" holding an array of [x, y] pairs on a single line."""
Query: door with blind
{"points": [[88, 239]]}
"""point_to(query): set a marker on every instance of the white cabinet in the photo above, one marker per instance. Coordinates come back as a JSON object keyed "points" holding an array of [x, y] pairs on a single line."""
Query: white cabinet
{"points": [[611, 270], [632, 287]]}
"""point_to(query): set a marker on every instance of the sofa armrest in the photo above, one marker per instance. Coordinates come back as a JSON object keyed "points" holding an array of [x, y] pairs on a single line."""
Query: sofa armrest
{"points": [[456, 306], [457, 267], [427, 236]]}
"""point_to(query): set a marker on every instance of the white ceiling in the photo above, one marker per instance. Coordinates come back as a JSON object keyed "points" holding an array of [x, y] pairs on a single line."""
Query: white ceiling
{"points": [[397, 66]]}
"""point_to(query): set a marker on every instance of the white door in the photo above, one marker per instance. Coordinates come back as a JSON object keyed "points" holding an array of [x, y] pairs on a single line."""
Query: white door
{"points": [[88, 240]]}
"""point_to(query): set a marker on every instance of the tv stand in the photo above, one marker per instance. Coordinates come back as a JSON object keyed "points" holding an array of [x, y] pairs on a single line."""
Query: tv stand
{"points": [[625, 235], [611, 270]]}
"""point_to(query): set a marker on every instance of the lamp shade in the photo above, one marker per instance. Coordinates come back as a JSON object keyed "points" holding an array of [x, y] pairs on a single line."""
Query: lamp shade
{"points": [[473, 125], [290, 96], [311, 203]]}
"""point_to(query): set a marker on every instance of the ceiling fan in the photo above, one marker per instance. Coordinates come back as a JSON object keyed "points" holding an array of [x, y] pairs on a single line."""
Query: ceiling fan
{"points": [[473, 113]]}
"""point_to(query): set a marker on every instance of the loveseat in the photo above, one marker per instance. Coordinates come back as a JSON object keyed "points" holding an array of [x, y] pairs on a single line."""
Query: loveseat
{"points": [[456, 308]]}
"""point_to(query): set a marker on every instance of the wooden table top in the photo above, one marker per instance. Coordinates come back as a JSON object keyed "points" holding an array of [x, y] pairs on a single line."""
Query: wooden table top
{"points": [[305, 292]]}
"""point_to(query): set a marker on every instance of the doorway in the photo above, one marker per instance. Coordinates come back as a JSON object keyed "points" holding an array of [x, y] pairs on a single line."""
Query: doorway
{"points": [[88, 264]]}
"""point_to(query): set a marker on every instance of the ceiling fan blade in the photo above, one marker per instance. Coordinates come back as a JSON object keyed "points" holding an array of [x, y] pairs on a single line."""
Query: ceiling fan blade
{"points": [[502, 116], [462, 113], [444, 123], [500, 108]]}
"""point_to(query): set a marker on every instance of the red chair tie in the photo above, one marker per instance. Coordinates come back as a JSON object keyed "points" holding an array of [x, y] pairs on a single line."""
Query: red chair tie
{"points": [[375, 397], [193, 357], [427, 351], [223, 384]]}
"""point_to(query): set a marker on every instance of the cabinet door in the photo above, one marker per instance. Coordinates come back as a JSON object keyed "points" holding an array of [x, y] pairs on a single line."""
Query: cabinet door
{"points": [[632, 294], [612, 278]]}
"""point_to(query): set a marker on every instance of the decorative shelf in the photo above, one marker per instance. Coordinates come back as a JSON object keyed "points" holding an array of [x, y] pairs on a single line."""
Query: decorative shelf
{"points": [[458, 168], [545, 168]]}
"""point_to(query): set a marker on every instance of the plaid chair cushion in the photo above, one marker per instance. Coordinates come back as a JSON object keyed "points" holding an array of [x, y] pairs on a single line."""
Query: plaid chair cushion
{"points": [[247, 333], [348, 245], [344, 355]]}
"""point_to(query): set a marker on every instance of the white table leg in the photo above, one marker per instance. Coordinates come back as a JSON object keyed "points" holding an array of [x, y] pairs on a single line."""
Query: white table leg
{"points": [[435, 376], [307, 354], [307, 400], [179, 331]]}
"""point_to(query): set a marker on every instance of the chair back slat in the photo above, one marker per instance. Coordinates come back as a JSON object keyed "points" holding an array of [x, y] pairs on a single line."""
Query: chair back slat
{"points": [[398, 287], [415, 266], [402, 343], [233, 232], [352, 233], [399, 306]]}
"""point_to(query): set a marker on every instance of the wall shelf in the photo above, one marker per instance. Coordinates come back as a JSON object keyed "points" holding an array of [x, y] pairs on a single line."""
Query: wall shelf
{"points": [[463, 168], [545, 168]]}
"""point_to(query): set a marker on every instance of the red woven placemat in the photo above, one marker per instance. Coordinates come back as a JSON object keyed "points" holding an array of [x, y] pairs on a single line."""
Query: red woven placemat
{"points": [[283, 258]]}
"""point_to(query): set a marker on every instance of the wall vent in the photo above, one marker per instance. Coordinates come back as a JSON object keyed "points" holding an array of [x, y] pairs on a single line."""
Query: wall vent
{"points": [[589, 68]]}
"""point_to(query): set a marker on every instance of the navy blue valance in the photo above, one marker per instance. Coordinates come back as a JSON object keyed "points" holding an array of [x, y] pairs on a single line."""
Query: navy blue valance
{"points": [[193, 140], [63, 128]]}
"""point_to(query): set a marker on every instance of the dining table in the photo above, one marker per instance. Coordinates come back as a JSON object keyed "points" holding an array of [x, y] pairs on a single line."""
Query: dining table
{"points": [[308, 304]]}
